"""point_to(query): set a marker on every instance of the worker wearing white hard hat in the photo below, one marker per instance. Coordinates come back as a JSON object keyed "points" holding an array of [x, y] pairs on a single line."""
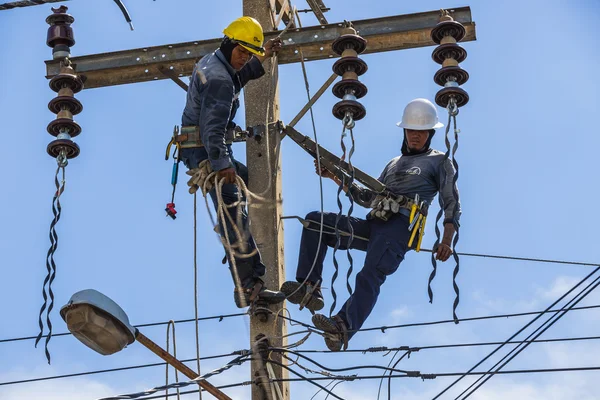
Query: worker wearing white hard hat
{"points": [[394, 225]]}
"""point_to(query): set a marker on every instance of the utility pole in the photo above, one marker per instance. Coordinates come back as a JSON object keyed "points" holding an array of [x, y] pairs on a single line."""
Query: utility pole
{"points": [[261, 99]]}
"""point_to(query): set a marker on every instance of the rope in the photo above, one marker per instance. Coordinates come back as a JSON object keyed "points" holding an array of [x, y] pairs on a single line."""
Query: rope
{"points": [[172, 326], [195, 294], [314, 127], [50, 264]]}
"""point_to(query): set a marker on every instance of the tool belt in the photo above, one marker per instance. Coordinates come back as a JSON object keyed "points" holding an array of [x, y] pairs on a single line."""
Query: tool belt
{"points": [[385, 206], [189, 136]]}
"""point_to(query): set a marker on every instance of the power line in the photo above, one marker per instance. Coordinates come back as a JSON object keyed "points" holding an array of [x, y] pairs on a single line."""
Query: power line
{"points": [[219, 317], [446, 374], [103, 371], [428, 376], [446, 321], [240, 352], [483, 255], [447, 346]]}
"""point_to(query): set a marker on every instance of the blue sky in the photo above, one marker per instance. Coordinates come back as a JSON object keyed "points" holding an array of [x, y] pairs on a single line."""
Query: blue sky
{"points": [[528, 185]]}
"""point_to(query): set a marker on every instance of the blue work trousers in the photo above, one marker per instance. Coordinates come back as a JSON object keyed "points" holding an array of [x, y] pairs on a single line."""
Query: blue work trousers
{"points": [[248, 268], [385, 242]]}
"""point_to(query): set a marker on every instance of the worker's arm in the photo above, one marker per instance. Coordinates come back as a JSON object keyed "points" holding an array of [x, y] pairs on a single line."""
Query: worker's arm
{"points": [[217, 98], [254, 68], [360, 196], [451, 204]]}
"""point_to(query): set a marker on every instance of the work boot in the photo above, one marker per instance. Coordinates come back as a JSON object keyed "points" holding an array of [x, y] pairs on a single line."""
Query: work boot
{"points": [[245, 296], [308, 295], [336, 332]]}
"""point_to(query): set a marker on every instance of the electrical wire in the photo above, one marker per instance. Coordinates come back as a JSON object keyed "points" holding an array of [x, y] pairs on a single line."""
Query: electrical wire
{"points": [[133, 367], [307, 351], [152, 324], [547, 310]]}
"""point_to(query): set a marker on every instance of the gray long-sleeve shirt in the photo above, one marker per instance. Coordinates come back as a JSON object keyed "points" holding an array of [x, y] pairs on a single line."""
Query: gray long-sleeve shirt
{"points": [[423, 174], [212, 101]]}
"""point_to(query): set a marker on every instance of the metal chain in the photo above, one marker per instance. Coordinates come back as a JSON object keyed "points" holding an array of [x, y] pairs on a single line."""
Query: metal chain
{"points": [[62, 162], [195, 295]]}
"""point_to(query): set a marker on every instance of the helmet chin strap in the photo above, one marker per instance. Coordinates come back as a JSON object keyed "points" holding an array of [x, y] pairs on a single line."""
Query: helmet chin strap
{"points": [[407, 151]]}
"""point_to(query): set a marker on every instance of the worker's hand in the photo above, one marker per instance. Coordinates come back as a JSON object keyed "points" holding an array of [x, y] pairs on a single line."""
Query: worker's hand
{"points": [[443, 252], [324, 172], [228, 173], [273, 46]]}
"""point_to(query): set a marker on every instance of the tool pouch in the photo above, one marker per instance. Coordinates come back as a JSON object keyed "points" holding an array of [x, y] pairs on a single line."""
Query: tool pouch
{"points": [[383, 207]]}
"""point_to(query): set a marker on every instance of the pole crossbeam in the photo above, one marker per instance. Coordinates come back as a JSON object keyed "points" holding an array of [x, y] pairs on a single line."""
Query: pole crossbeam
{"points": [[144, 64]]}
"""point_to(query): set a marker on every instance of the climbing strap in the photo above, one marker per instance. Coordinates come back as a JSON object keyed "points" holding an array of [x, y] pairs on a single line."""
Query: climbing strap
{"points": [[50, 264]]}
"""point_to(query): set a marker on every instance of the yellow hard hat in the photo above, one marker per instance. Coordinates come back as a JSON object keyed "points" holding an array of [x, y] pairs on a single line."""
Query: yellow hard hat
{"points": [[247, 32]]}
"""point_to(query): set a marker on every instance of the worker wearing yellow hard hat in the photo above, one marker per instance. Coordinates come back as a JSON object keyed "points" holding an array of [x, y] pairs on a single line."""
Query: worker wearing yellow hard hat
{"points": [[207, 120]]}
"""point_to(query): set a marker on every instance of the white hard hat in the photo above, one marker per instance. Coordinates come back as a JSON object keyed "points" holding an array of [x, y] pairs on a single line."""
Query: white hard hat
{"points": [[420, 115]]}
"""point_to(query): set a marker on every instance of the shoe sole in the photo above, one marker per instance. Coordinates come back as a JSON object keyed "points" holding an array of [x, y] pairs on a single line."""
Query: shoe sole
{"points": [[326, 324], [295, 295]]}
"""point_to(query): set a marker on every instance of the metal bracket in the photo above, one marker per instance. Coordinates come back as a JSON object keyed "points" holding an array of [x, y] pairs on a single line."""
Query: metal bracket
{"points": [[258, 131], [333, 163], [171, 74]]}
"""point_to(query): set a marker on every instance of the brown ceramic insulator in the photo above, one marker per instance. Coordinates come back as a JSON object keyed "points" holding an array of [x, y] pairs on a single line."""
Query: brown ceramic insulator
{"points": [[353, 64], [346, 86], [64, 114], [64, 124], [350, 75], [443, 96], [65, 102], [349, 53], [446, 51], [71, 148], [60, 34], [456, 74], [354, 42], [448, 28], [65, 80], [60, 31], [449, 62], [66, 92], [357, 110], [448, 40]]}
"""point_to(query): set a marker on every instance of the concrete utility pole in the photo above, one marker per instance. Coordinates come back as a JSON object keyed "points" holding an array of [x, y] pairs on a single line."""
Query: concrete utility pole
{"points": [[262, 97]]}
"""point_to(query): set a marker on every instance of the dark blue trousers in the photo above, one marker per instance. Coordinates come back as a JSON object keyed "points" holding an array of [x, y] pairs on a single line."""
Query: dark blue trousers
{"points": [[386, 245], [248, 269]]}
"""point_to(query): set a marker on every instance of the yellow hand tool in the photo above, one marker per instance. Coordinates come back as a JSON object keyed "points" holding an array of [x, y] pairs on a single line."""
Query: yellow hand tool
{"points": [[413, 212], [414, 232], [421, 233]]}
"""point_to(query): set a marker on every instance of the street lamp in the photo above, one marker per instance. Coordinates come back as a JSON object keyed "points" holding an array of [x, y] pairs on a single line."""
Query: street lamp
{"points": [[99, 323]]}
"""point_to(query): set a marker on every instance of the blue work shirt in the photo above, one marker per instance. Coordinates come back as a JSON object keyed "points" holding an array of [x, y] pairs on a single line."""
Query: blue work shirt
{"points": [[212, 102]]}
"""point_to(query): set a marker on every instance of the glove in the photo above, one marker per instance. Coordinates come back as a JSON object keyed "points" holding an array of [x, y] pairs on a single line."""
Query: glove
{"points": [[198, 178]]}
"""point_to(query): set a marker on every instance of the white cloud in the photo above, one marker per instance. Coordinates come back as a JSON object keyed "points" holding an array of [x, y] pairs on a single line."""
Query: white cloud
{"points": [[58, 390]]}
